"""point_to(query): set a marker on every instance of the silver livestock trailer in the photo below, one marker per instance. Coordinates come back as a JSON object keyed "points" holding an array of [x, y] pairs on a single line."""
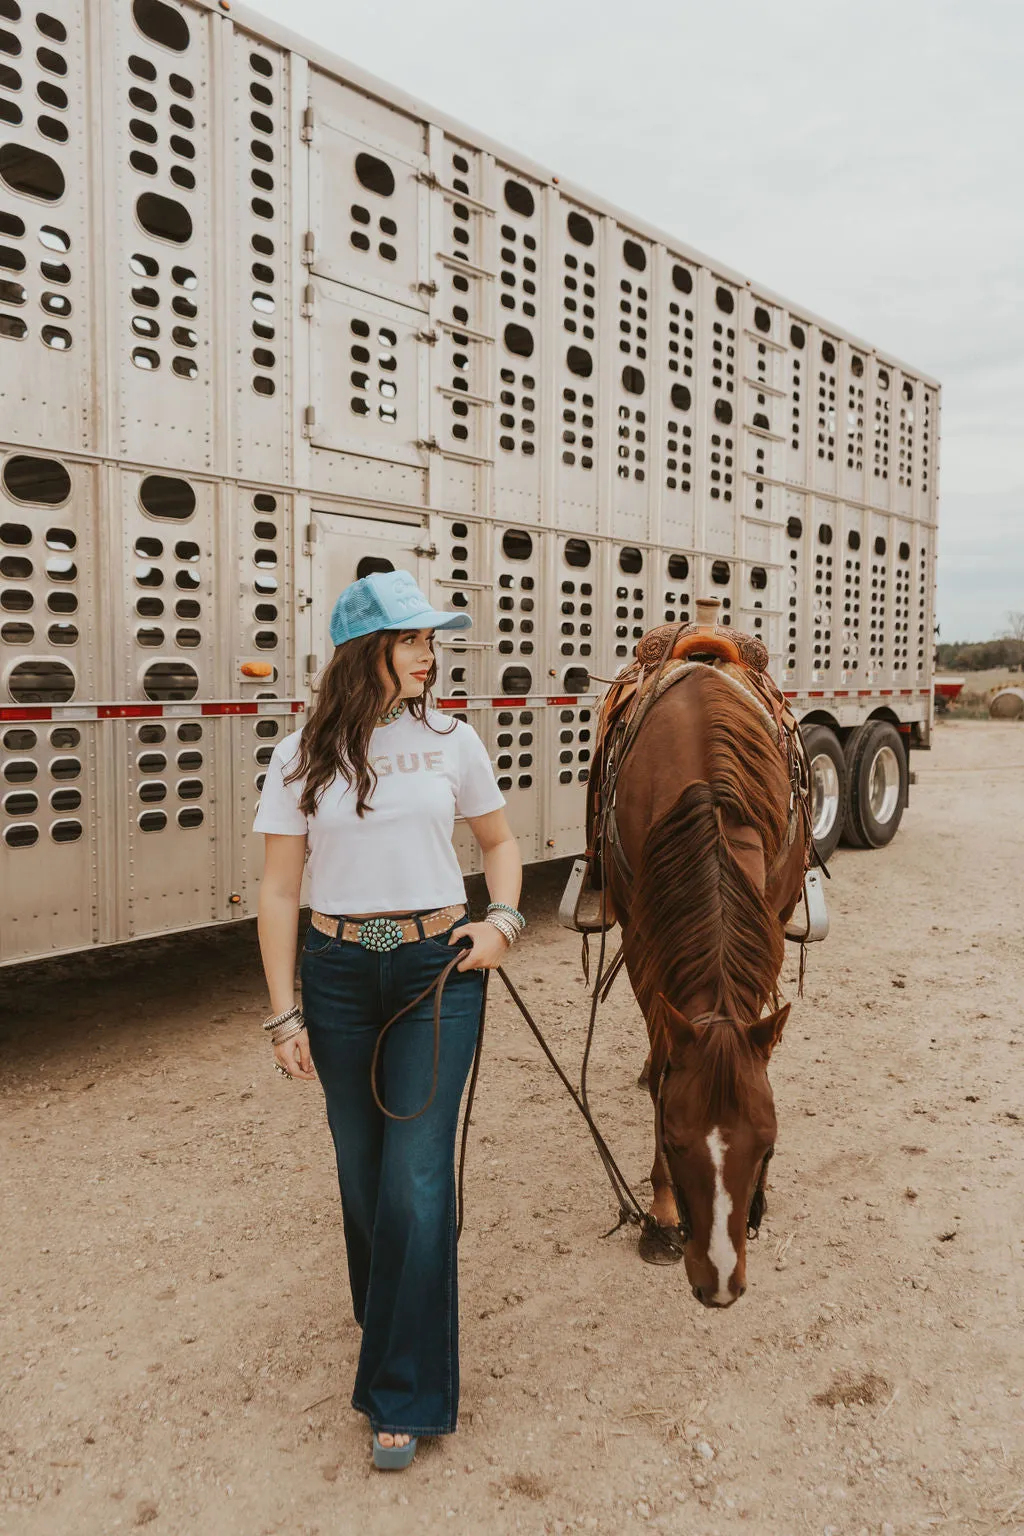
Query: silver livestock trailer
{"points": [[267, 325]]}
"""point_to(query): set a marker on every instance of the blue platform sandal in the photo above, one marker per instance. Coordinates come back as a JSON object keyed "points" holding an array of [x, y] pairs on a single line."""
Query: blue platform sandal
{"points": [[393, 1458]]}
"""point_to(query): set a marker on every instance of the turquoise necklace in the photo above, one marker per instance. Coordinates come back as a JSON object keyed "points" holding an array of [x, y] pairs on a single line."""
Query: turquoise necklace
{"points": [[391, 714]]}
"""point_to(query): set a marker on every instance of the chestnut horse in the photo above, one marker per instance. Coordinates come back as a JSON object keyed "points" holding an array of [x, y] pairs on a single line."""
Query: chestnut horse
{"points": [[703, 811]]}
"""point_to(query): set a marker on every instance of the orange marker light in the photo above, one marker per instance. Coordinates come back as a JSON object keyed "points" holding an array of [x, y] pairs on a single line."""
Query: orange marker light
{"points": [[256, 669]]}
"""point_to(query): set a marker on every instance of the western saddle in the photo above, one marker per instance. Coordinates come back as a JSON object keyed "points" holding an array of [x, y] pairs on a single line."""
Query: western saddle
{"points": [[665, 655]]}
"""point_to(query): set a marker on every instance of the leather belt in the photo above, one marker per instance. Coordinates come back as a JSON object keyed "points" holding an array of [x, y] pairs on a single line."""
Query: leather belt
{"points": [[382, 934]]}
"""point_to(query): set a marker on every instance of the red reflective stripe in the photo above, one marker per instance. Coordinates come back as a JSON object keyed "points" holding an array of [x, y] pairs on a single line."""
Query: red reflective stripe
{"points": [[452, 703], [25, 712], [296, 707], [790, 695], [906, 693], [842, 693], [127, 711], [863, 693], [885, 693], [248, 707], [508, 703], [816, 693], [568, 699]]}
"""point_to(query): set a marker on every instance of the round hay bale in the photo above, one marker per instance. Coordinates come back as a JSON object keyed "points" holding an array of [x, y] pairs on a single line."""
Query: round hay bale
{"points": [[1008, 704]]}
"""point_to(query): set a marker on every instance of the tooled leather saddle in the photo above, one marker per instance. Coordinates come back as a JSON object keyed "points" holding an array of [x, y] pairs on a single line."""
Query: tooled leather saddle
{"points": [[740, 658]]}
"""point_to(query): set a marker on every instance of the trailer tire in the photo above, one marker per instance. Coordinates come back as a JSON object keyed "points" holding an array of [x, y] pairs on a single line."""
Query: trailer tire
{"points": [[828, 787], [877, 783]]}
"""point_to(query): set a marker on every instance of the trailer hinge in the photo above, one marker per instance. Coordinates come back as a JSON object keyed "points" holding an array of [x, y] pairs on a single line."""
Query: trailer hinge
{"points": [[308, 297], [428, 288], [308, 421], [312, 662], [308, 248], [428, 444], [428, 178], [307, 124], [428, 551], [430, 338], [310, 537]]}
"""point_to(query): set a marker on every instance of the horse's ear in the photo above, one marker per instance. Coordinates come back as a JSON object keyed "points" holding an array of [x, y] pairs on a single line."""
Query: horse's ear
{"points": [[765, 1035], [679, 1032]]}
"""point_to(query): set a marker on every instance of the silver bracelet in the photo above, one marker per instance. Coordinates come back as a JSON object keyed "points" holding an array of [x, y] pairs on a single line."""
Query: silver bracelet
{"points": [[504, 927], [288, 1032], [282, 1018]]}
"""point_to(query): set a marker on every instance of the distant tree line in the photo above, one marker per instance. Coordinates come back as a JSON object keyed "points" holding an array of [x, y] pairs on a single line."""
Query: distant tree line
{"points": [[982, 655]]}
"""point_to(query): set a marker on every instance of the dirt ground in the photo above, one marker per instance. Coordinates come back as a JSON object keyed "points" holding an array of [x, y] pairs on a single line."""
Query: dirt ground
{"points": [[178, 1346]]}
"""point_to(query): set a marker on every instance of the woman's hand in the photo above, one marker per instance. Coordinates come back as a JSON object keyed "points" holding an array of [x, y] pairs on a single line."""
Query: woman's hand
{"points": [[489, 947], [294, 1057]]}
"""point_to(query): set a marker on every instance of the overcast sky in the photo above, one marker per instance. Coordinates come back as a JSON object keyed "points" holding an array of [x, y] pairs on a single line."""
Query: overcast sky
{"points": [[865, 160]]}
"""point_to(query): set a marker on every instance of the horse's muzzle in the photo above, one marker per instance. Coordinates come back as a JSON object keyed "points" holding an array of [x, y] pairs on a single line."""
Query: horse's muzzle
{"points": [[710, 1298]]}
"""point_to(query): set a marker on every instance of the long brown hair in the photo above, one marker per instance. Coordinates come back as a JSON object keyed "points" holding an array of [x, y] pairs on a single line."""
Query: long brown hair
{"points": [[350, 696]]}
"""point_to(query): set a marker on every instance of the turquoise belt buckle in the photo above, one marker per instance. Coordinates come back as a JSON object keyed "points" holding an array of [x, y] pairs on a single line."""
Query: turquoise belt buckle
{"points": [[380, 934]]}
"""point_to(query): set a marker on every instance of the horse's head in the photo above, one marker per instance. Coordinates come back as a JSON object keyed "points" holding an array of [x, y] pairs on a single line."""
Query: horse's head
{"points": [[716, 1132]]}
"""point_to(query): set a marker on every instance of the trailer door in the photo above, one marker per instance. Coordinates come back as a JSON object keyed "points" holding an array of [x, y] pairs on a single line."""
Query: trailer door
{"points": [[346, 548]]}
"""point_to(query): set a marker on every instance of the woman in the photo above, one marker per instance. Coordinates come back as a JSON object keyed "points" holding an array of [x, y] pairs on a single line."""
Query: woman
{"points": [[371, 786]]}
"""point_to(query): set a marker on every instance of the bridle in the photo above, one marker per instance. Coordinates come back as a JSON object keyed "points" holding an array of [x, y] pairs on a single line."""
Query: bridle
{"points": [[758, 1201]]}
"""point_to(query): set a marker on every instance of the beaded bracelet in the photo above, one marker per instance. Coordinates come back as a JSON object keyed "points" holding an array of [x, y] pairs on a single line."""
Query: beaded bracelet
{"points": [[282, 1018]]}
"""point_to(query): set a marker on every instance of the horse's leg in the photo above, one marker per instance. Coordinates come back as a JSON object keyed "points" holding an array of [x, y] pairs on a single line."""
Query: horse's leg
{"points": [[666, 1248]]}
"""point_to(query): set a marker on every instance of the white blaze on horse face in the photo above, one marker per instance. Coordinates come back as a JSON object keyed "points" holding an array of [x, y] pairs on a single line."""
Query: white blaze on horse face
{"points": [[721, 1252]]}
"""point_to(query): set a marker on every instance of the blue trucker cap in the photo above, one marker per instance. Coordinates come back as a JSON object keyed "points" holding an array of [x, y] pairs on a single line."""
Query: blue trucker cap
{"points": [[387, 600]]}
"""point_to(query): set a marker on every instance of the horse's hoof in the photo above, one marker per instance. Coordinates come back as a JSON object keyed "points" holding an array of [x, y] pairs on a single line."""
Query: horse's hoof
{"points": [[643, 1080], [661, 1245]]}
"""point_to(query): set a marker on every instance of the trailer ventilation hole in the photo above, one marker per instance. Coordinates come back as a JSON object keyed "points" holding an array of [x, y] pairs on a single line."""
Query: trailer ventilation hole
{"points": [[678, 567], [45, 481], [824, 534], [190, 816], [580, 229], [682, 278], [580, 362], [576, 680], [516, 544], [519, 340], [853, 539], [879, 545], [164, 218], [66, 831], [152, 821], [725, 301], [633, 381], [519, 199], [577, 552], [41, 682], [21, 836], [170, 680], [720, 573], [758, 578], [723, 412], [30, 173], [762, 319], [161, 24], [634, 255], [516, 680], [166, 496]]}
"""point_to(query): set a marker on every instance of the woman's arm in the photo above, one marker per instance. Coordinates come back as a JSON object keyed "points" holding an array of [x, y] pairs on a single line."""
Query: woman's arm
{"points": [[277, 924], [503, 872]]}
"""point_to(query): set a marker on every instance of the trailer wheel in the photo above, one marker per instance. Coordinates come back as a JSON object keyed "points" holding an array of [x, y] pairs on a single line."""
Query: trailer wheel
{"points": [[828, 787], [877, 783]]}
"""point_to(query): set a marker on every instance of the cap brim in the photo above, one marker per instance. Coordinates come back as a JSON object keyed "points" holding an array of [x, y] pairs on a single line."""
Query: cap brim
{"points": [[430, 618]]}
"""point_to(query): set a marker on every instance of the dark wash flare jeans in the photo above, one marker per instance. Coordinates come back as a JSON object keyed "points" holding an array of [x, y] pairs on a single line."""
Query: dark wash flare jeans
{"points": [[397, 1179]]}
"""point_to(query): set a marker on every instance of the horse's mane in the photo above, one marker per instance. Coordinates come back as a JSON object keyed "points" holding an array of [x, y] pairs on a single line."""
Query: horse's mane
{"points": [[701, 923]]}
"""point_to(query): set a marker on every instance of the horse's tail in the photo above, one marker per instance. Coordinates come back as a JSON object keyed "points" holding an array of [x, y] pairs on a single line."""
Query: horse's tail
{"points": [[703, 922]]}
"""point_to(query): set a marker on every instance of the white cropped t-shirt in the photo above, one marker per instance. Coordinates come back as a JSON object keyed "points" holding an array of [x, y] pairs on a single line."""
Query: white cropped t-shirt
{"points": [[399, 856]]}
